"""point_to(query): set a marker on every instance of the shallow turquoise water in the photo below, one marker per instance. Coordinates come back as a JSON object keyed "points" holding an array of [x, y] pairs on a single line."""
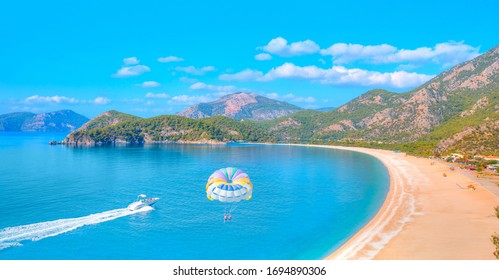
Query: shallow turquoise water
{"points": [[306, 201]]}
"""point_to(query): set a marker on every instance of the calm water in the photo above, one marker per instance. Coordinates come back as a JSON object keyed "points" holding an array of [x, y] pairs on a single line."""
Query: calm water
{"points": [[60, 202]]}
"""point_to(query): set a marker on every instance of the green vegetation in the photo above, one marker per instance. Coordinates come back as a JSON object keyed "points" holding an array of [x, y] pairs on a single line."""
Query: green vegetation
{"points": [[172, 129], [495, 237], [495, 240], [108, 118]]}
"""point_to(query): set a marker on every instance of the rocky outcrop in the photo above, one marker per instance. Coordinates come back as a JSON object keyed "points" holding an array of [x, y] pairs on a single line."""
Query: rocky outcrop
{"points": [[482, 102], [290, 122], [481, 139]]}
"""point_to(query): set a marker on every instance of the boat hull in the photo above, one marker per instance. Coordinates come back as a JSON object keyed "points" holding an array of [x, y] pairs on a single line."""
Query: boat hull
{"points": [[142, 203]]}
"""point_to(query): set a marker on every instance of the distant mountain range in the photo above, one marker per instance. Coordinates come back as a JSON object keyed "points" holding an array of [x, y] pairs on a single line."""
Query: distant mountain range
{"points": [[59, 121], [457, 110], [240, 106]]}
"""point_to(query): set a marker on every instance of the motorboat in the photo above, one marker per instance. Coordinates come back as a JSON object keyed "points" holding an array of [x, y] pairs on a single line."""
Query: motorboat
{"points": [[142, 201]]}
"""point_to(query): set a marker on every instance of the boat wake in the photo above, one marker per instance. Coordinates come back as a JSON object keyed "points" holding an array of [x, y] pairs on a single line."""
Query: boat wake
{"points": [[13, 236]]}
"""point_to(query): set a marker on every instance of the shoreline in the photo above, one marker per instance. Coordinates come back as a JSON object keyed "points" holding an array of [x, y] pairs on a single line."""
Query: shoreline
{"points": [[425, 216]]}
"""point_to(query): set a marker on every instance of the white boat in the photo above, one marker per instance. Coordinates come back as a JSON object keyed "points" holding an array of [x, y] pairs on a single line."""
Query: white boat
{"points": [[142, 201]]}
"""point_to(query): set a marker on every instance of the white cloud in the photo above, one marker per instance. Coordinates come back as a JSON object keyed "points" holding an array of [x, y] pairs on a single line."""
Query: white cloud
{"points": [[170, 58], [245, 75], [149, 84], [156, 95], [50, 99], [291, 98], [189, 100], [279, 46], [445, 54], [263, 56], [129, 71], [203, 86], [196, 71], [131, 60], [342, 75], [56, 99], [216, 90], [289, 70], [101, 100], [344, 53]]}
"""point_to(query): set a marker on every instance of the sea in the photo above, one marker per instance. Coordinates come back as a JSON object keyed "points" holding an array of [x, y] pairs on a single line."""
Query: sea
{"points": [[69, 203]]}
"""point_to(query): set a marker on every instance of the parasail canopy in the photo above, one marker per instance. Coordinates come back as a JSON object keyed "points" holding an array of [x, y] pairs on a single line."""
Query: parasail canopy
{"points": [[229, 184]]}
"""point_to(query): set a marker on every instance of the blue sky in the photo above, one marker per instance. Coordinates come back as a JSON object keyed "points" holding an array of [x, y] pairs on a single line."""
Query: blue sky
{"points": [[158, 57]]}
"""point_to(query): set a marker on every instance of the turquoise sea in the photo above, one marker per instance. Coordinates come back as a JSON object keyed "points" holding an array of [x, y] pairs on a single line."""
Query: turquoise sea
{"points": [[60, 202]]}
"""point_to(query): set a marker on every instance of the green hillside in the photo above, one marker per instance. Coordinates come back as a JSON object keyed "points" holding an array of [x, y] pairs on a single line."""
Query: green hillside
{"points": [[170, 129], [108, 118]]}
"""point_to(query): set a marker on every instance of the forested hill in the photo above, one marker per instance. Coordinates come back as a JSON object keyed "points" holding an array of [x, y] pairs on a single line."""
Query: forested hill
{"points": [[165, 129]]}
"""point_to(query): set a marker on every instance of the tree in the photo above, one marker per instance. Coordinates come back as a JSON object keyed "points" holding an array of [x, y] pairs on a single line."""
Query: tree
{"points": [[495, 237], [495, 240]]}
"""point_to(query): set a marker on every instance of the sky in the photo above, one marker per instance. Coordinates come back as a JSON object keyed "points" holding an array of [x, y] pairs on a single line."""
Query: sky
{"points": [[151, 58]]}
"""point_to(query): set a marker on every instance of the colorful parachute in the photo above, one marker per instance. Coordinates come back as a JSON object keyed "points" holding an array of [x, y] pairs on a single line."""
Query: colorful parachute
{"points": [[229, 185]]}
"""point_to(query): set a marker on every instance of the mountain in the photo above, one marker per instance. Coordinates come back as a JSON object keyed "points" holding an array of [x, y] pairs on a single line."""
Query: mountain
{"points": [[240, 106], [115, 127], [475, 131], [457, 110], [379, 115], [58, 121], [14, 121]]}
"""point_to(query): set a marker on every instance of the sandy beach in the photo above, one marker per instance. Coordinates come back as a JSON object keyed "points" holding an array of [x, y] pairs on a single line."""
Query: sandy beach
{"points": [[425, 216]]}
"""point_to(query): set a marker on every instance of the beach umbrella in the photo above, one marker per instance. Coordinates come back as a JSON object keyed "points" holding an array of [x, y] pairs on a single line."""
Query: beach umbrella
{"points": [[229, 185]]}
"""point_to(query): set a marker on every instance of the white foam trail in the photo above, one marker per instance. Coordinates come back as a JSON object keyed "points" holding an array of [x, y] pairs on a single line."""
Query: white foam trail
{"points": [[12, 236]]}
